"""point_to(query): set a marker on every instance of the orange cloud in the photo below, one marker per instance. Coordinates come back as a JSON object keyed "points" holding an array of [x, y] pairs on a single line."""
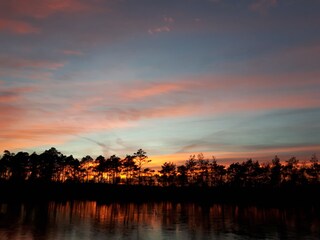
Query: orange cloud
{"points": [[12, 11], [14, 94], [49, 129], [199, 95], [11, 112], [5, 97], [17, 138], [89, 109], [163, 111], [10, 115], [18, 27], [141, 92], [45, 8], [43, 125]]}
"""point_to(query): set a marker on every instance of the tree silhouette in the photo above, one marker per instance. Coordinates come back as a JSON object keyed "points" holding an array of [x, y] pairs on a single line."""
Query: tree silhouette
{"points": [[129, 167], [275, 175], [191, 167], [101, 167], [87, 167], [71, 169], [49, 161], [182, 176], [314, 170], [53, 166], [290, 171], [203, 170], [217, 173], [18, 166], [35, 166], [5, 164], [115, 168], [168, 173], [141, 159], [252, 173], [236, 174], [148, 177]]}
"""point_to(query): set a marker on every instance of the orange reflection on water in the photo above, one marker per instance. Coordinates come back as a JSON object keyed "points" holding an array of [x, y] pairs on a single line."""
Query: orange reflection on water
{"points": [[163, 220]]}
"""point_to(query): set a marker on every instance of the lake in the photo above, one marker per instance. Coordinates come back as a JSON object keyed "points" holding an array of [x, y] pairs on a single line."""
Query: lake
{"points": [[163, 220]]}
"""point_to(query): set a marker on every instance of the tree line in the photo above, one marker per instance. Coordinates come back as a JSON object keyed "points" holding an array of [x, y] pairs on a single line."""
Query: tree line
{"points": [[53, 166]]}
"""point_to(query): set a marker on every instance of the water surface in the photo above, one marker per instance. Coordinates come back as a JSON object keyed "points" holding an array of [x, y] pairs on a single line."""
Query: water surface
{"points": [[165, 220]]}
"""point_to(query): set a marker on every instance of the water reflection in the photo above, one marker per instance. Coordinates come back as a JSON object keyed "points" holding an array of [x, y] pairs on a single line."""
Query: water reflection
{"points": [[166, 220]]}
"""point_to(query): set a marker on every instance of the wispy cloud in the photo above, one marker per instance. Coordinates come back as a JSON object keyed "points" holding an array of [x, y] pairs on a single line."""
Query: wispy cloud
{"points": [[45, 8], [51, 120], [292, 60], [159, 29], [167, 27], [151, 90], [72, 52], [13, 94], [11, 111], [13, 11], [30, 74], [16, 26], [154, 112], [262, 6], [18, 62], [168, 19]]}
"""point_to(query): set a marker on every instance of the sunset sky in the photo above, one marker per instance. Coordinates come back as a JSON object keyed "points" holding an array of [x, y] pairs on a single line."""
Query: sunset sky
{"points": [[234, 79]]}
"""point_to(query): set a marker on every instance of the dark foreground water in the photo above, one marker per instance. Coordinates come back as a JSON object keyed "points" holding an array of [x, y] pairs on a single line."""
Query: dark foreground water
{"points": [[90, 220]]}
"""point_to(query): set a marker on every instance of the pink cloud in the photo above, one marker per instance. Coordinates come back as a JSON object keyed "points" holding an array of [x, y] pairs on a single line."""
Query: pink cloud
{"points": [[89, 109], [18, 27], [266, 102], [13, 62], [139, 92], [13, 11], [31, 120], [159, 30], [35, 136], [257, 82], [162, 111], [168, 19], [10, 115], [32, 74], [72, 52], [165, 28], [9, 95], [232, 94], [308, 54], [262, 6], [45, 8], [11, 112], [198, 95], [40, 123]]}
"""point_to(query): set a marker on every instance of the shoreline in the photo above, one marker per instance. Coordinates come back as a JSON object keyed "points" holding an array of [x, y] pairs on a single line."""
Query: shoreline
{"points": [[284, 195]]}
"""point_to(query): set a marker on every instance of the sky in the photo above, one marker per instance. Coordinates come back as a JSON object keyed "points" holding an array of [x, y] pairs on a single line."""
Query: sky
{"points": [[229, 78]]}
